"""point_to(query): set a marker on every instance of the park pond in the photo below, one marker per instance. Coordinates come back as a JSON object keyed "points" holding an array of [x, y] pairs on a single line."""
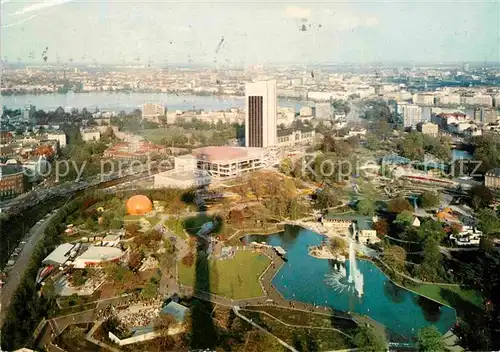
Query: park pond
{"points": [[326, 283]]}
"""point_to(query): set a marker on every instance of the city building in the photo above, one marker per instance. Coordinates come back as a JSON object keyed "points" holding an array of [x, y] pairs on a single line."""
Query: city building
{"points": [[485, 115], [36, 167], [13, 180], [260, 115], [423, 99], [95, 256], [153, 112], [227, 162], [182, 179], [323, 111], [412, 114], [483, 100], [428, 128], [29, 113], [5, 137], [133, 150], [184, 175], [492, 178], [60, 255], [58, 136], [89, 134], [291, 137], [285, 116], [444, 119]]}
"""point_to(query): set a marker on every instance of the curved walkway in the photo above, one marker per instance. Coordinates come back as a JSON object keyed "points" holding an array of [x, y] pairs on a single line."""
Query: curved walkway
{"points": [[236, 310]]}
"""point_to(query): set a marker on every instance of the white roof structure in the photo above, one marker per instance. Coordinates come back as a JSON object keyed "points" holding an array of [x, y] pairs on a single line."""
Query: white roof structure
{"points": [[59, 255], [101, 253], [96, 254]]}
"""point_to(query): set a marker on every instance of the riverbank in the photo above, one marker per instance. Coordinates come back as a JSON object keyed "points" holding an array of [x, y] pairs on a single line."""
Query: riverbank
{"points": [[323, 252], [117, 101]]}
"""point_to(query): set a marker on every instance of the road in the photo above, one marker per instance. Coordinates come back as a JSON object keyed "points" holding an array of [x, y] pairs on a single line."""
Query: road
{"points": [[16, 272]]}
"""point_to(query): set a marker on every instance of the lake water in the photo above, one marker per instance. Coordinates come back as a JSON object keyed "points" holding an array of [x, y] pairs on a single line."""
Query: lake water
{"points": [[324, 282], [108, 101], [457, 154]]}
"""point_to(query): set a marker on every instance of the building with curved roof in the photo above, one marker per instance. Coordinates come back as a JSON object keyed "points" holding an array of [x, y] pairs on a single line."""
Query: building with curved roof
{"points": [[139, 205], [96, 255]]}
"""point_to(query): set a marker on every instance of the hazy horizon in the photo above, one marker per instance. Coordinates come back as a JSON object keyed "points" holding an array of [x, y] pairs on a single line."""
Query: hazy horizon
{"points": [[219, 34]]}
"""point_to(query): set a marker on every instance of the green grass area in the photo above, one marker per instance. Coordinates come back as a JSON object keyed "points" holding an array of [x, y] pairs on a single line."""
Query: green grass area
{"points": [[176, 227], [449, 295], [235, 278], [303, 339], [153, 220], [311, 319]]}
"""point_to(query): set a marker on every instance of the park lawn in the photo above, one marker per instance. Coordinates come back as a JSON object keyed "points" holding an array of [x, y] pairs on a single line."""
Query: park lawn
{"points": [[176, 227], [438, 293], [235, 278], [311, 339], [153, 220]]}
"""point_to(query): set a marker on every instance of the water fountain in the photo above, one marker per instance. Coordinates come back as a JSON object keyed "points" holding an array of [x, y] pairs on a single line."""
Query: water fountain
{"points": [[355, 275]]}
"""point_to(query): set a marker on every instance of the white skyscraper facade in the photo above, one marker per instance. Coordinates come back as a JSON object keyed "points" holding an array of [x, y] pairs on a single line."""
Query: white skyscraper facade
{"points": [[260, 114], [412, 114]]}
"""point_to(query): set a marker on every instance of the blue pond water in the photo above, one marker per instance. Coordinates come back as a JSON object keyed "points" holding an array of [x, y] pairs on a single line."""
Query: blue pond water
{"points": [[323, 282]]}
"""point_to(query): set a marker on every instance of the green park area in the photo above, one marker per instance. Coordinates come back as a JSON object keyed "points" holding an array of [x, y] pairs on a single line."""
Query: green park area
{"points": [[448, 294], [235, 278]]}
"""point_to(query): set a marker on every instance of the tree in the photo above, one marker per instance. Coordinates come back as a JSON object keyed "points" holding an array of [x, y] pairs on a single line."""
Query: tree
{"points": [[286, 166], [326, 198], [255, 184], [412, 146], [431, 229], [488, 222], [486, 244], [395, 257], [382, 227], [132, 230], [366, 207], [405, 218], [188, 259], [429, 199], [431, 267], [150, 290], [368, 340], [399, 205], [79, 277], [338, 245], [372, 142], [481, 196], [429, 339]]}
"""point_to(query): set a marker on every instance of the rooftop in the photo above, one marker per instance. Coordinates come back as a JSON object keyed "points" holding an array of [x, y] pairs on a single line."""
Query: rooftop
{"points": [[101, 253], [225, 154], [10, 169], [177, 310], [494, 172], [59, 255]]}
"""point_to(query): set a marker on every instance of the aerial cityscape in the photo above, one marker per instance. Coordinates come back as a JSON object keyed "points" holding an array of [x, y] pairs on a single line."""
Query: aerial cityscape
{"points": [[235, 176]]}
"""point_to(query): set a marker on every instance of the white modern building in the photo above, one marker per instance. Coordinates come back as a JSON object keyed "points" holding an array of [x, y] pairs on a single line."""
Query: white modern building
{"points": [[260, 114], [153, 112], [89, 135], [95, 256], [60, 137], [412, 114]]}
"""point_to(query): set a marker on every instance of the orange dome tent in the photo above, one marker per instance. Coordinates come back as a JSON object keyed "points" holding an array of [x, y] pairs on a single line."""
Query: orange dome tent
{"points": [[139, 205]]}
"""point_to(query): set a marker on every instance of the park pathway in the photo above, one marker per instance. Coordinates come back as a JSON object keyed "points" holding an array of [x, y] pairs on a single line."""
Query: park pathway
{"points": [[236, 311]]}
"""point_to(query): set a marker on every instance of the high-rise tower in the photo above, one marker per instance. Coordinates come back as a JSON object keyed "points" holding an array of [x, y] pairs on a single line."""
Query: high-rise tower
{"points": [[260, 115]]}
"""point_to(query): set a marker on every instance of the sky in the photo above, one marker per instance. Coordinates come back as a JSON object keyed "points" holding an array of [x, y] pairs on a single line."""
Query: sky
{"points": [[249, 32]]}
